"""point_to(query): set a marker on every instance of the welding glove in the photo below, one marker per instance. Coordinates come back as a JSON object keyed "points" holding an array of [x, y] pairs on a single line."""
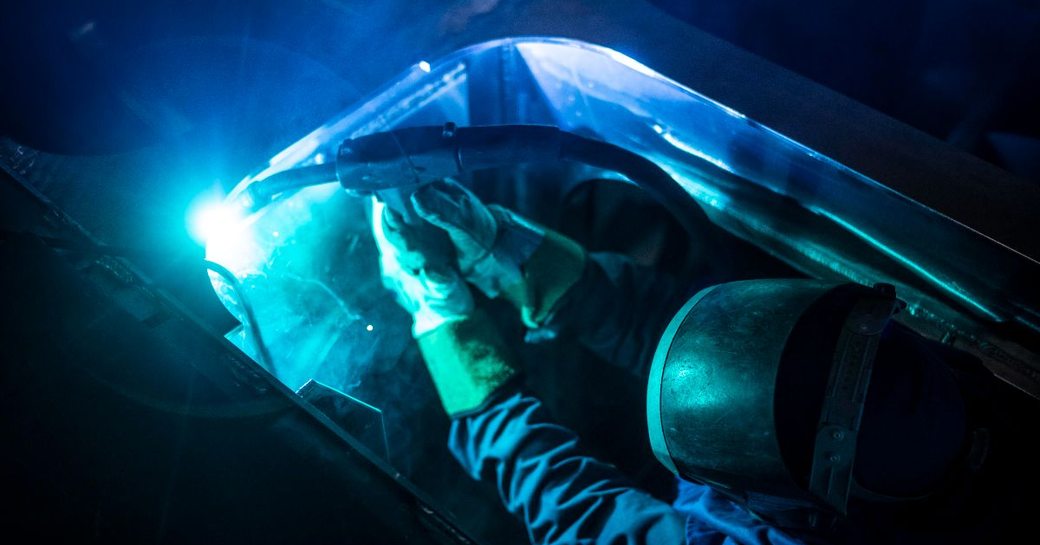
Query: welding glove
{"points": [[502, 253], [425, 283], [463, 351]]}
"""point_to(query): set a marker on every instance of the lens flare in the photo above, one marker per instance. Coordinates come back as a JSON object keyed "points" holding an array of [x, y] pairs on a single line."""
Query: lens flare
{"points": [[212, 218]]}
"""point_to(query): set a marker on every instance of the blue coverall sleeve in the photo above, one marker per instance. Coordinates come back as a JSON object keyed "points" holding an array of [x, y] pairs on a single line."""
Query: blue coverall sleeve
{"points": [[618, 310], [561, 494]]}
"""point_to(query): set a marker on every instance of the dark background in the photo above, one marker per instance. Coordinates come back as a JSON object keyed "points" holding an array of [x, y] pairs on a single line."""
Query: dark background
{"points": [[105, 76], [124, 112]]}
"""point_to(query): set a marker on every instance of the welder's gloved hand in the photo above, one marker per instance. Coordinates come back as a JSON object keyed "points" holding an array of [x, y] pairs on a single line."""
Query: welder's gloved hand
{"points": [[502, 253], [425, 283], [463, 351]]}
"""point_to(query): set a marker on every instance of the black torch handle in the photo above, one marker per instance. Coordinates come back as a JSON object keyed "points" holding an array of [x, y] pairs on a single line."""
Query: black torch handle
{"points": [[415, 156], [394, 164], [400, 200]]}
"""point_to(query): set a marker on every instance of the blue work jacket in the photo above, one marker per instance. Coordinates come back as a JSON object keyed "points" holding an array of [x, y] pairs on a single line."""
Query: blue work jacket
{"points": [[565, 496], [562, 495]]}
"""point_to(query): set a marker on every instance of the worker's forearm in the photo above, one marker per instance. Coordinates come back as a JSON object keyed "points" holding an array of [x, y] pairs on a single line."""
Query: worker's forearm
{"points": [[561, 494], [467, 360]]}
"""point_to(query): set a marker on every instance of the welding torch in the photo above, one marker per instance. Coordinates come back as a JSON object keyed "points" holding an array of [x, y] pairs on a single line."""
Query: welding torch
{"points": [[393, 164]]}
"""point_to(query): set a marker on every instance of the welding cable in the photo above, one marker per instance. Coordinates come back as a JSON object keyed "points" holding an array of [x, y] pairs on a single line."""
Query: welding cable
{"points": [[249, 316], [393, 164], [409, 157], [259, 194]]}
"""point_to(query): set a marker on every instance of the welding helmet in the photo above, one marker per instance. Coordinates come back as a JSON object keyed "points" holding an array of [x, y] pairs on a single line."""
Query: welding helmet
{"points": [[759, 388]]}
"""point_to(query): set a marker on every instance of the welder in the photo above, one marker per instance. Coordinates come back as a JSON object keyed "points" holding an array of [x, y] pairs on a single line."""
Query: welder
{"points": [[758, 395]]}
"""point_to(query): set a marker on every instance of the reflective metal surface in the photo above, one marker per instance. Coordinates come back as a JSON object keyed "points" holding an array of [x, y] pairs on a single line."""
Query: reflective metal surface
{"points": [[710, 401], [307, 259]]}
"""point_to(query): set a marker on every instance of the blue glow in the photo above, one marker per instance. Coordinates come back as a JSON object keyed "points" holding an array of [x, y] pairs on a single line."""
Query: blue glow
{"points": [[699, 191], [294, 154], [889, 251], [629, 62], [683, 146], [210, 220]]}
